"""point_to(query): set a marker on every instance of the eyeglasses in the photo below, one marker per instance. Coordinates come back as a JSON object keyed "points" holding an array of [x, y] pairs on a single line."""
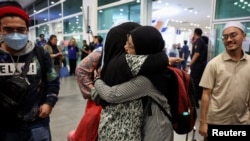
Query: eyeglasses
{"points": [[12, 30], [230, 35]]}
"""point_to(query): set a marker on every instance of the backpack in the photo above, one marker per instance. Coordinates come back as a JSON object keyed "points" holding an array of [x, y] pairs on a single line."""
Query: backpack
{"points": [[182, 101]]}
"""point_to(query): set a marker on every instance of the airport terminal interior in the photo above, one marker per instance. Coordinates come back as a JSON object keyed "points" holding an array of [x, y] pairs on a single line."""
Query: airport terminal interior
{"points": [[175, 19]]}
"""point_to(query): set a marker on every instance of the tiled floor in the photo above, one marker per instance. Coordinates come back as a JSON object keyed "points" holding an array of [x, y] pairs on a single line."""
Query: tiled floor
{"points": [[70, 107]]}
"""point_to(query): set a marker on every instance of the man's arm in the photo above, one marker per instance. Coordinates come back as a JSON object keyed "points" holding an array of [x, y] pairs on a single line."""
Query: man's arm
{"points": [[194, 59], [85, 51], [52, 86], [249, 103], [203, 111]]}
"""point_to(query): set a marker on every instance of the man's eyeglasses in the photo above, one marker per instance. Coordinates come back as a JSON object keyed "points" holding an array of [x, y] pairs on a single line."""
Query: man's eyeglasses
{"points": [[12, 30], [230, 35]]}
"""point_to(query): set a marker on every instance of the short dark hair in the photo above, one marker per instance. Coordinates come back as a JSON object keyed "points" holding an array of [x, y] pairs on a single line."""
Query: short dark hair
{"points": [[41, 35], [205, 39], [99, 38], [185, 42], [198, 31]]}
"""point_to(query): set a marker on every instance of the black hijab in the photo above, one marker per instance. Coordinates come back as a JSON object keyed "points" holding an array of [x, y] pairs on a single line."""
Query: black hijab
{"points": [[148, 40], [114, 63]]}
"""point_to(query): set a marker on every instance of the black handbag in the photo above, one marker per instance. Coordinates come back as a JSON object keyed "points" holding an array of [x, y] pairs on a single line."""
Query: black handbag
{"points": [[16, 88]]}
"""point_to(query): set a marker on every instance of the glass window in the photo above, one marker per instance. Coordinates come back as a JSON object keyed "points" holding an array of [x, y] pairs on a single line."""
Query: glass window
{"points": [[51, 2], [56, 28], [41, 17], [40, 4], [232, 8], [71, 7], [219, 46], [134, 13], [55, 12], [104, 35], [104, 2], [43, 29], [32, 21], [30, 9], [73, 25], [107, 17]]}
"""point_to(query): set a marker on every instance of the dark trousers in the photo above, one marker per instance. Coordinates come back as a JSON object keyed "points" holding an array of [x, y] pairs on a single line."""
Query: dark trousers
{"points": [[196, 74], [72, 66], [41, 133]]}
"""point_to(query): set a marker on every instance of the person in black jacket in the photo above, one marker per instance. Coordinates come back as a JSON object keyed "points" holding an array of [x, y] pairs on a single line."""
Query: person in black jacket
{"points": [[29, 119]]}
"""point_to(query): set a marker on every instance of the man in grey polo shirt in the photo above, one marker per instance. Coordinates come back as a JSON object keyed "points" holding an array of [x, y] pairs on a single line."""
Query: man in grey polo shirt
{"points": [[225, 97]]}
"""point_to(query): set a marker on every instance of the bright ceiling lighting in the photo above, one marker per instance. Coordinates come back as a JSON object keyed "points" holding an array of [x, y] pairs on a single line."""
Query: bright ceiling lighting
{"points": [[166, 12]]}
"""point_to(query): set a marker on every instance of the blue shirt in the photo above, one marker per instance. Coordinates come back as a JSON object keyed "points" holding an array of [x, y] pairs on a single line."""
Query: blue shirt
{"points": [[185, 50], [72, 52]]}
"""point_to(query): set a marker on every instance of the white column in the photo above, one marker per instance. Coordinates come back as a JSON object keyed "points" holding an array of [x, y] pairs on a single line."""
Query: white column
{"points": [[146, 12]]}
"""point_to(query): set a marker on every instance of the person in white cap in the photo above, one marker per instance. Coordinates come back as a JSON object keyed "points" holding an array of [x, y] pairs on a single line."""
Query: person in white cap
{"points": [[226, 97]]}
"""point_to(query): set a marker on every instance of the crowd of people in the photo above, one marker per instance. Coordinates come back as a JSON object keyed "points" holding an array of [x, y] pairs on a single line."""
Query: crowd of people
{"points": [[117, 79]]}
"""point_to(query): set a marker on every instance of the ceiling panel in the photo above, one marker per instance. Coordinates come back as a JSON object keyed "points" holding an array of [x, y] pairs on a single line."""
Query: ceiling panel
{"points": [[183, 14]]}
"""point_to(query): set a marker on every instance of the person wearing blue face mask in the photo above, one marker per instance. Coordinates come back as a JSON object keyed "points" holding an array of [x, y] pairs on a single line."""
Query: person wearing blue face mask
{"points": [[29, 121]]}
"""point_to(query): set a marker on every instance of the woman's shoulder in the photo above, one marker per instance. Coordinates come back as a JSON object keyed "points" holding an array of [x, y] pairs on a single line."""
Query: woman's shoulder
{"points": [[47, 47]]}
